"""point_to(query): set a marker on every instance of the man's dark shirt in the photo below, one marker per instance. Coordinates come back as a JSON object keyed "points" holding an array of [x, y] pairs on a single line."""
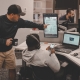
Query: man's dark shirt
{"points": [[8, 29], [70, 20], [63, 17]]}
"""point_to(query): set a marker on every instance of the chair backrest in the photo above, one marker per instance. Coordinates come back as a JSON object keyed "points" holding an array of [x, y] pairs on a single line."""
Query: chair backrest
{"points": [[42, 73]]}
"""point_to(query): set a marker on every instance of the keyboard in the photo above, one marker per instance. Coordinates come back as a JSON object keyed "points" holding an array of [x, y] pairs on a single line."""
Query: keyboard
{"points": [[63, 50], [68, 47]]}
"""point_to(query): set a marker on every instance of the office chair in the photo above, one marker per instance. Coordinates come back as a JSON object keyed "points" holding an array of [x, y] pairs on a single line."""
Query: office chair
{"points": [[42, 73], [25, 72]]}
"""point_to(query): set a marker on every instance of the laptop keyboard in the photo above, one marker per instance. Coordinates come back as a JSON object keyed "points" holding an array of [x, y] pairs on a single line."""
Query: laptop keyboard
{"points": [[68, 47], [63, 50]]}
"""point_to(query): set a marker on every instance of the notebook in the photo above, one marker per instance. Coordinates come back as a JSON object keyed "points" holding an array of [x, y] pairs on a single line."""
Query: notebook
{"points": [[70, 42]]}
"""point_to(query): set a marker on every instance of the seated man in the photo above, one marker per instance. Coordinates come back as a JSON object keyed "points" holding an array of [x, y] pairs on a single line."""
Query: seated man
{"points": [[35, 56], [69, 16]]}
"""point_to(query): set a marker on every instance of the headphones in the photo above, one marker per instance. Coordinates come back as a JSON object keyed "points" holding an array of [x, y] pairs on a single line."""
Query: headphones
{"points": [[38, 46]]}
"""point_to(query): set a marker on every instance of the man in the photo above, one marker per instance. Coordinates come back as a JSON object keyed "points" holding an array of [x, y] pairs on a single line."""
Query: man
{"points": [[9, 25], [34, 55], [69, 16]]}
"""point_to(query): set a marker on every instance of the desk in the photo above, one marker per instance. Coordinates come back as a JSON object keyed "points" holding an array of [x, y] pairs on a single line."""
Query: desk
{"points": [[75, 60]]}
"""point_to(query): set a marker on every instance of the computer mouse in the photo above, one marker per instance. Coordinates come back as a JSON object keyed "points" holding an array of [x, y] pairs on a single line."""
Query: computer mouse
{"points": [[75, 54]]}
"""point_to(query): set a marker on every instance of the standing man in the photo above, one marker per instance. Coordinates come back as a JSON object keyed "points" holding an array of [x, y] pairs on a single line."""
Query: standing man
{"points": [[68, 16], [9, 25]]}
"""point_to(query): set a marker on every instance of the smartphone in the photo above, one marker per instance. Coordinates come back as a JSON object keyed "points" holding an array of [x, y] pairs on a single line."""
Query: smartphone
{"points": [[52, 46]]}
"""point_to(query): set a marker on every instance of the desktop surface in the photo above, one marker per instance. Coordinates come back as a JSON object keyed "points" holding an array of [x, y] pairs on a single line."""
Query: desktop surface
{"points": [[70, 56]]}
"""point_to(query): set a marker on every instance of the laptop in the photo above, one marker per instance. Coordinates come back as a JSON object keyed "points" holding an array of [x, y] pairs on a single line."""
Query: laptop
{"points": [[70, 42]]}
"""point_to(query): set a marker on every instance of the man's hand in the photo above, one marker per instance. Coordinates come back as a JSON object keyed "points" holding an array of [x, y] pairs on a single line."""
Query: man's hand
{"points": [[52, 50], [48, 48], [9, 42], [45, 26]]}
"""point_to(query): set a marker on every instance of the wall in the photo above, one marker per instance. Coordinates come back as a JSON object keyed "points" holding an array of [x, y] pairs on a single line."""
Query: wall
{"points": [[21, 34], [40, 7], [28, 4]]}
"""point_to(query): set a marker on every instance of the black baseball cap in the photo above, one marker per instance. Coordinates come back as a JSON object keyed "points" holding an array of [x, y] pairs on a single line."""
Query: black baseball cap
{"points": [[15, 9]]}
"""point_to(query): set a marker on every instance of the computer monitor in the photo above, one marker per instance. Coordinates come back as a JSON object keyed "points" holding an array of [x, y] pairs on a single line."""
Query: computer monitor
{"points": [[72, 25], [52, 29], [71, 39]]}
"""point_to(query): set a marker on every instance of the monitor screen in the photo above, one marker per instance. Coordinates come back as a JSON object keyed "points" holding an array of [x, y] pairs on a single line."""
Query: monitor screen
{"points": [[52, 29], [72, 39]]}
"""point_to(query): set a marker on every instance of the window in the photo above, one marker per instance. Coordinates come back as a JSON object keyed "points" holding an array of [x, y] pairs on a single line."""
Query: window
{"points": [[40, 7]]}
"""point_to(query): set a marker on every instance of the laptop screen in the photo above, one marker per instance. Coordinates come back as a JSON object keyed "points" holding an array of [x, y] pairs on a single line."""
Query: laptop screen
{"points": [[72, 39]]}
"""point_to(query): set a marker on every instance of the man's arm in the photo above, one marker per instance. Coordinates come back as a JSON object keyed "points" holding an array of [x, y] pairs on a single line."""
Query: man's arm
{"points": [[6, 42], [53, 62], [72, 20], [62, 17], [28, 24], [2, 41]]}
